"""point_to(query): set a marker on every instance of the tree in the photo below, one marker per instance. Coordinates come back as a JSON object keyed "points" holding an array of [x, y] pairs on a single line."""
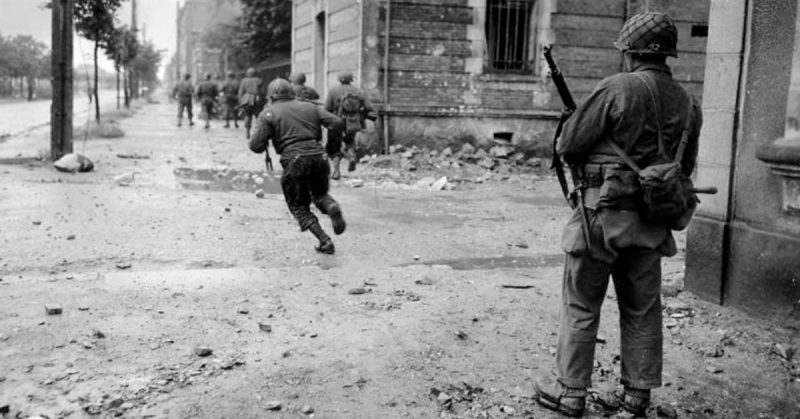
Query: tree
{"points": [[145, 64], [226, 37], [122, 50], [266, 28], [94, 20]]}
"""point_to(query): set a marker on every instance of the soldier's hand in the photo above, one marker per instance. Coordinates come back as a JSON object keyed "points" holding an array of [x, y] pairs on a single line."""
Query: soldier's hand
{"points": [[268, 162], [566, 113]]}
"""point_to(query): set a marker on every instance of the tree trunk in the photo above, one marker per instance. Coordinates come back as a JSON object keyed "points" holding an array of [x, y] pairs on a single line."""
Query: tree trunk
{"points": [[125, 87], [117, 68], [96, 99]]}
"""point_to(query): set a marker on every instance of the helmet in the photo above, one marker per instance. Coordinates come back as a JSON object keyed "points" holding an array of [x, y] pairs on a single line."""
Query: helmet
{"points": [[187, 76], [208, 76], [280, 89], [250, 72], [649, 33], [298, 78], [231, 74], [346, 77]]}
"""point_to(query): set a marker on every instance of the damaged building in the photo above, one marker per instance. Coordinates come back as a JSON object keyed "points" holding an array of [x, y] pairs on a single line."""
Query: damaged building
{"points": [[447, 72]]}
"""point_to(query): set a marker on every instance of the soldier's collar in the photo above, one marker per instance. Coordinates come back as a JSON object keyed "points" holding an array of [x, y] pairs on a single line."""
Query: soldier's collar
{"points": [[653, 67]]}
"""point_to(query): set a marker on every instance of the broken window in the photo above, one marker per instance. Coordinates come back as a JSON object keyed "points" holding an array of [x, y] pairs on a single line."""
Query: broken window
{"points": [[510, 35]]}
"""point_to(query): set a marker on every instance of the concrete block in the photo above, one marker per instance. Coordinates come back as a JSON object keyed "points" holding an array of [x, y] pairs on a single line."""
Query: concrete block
{"points": [[704, 258], [726, 26], [721, 81], [718, 176], [716, 137]]}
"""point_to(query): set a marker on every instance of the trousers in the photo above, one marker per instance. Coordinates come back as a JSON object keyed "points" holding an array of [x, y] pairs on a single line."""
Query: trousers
{"points": [[184, 104], [305, 180], [337, 137], [636, 275]]}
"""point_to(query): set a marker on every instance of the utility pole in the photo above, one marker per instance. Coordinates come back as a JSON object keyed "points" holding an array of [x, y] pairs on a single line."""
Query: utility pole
{"points": [[178, 42], [134, 81], [61, 62]]}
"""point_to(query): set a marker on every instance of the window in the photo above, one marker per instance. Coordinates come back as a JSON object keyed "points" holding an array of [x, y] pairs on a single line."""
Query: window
{"points": [[510, 35]]}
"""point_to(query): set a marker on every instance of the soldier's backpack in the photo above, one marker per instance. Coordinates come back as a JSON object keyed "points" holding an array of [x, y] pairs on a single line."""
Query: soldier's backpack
{"points": [[668, 194], [350, 112]]}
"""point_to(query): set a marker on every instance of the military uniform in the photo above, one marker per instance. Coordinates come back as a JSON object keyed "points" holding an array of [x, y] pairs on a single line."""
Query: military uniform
{"points": [[627, 109], [306, 93], [207, 92], [250, 98], [295, 129], [230, 94], [183, 92], [338, 137]]}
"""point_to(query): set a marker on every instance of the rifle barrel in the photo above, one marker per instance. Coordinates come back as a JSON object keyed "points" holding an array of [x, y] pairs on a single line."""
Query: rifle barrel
{"points": [[710, 190]]}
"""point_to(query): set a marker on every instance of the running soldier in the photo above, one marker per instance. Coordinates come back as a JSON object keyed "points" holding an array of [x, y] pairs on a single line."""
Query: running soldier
{"points": [[295, 129], [637, 116], [207, 92], [302, 91], [182, 92], [230, 94], [352, 105], [251, 98]]}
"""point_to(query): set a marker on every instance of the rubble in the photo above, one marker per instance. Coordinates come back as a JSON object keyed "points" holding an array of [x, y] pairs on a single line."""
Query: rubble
{"points": [[274, 405], [52, 309], [202, 351], [784, 351]]}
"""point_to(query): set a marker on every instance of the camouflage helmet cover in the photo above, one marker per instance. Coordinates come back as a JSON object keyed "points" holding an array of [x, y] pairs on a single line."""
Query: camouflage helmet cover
{"points": [[250, 72], [649, 33], [280, 89], [346, 77], [231, 74], [298, 78]]}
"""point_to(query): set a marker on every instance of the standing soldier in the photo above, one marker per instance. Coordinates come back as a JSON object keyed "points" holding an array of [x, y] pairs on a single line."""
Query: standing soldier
{"points": [[295, 129], [352, 105], [183, 92], [207, 92], [302, 91], [250, 98], [230, 93], [636, 117]]}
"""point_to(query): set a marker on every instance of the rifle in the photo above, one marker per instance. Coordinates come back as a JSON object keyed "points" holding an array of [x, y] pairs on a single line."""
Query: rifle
{"points": [[576, 198]]}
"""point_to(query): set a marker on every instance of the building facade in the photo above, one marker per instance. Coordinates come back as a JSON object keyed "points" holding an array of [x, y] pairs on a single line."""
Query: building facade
{"points": [[194, 17], [743, 245], [451, 71]]}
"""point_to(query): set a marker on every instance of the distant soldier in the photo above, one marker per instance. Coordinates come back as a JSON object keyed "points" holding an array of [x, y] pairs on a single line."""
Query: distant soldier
{"points": [[251, 97], [351, 104], [207, 92], [302, 91], [182, 92], [230, 95], [295, 129]]}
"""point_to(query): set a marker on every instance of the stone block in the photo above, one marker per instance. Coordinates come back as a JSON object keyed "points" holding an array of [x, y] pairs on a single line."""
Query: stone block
{"points": [[718, 176], [721, 81], [716, 137], [726, 26], [704, 262]]}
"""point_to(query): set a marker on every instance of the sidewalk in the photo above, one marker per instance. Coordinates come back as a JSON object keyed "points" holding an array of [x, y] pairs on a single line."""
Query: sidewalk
{"points": [[436, 304]]}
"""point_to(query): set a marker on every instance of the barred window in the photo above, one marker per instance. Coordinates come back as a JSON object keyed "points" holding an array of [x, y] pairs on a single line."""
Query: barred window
{"points": [[510, 35]]}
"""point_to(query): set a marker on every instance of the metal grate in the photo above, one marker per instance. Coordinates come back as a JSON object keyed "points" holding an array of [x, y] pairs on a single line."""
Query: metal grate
{"points": [[508, 33]]}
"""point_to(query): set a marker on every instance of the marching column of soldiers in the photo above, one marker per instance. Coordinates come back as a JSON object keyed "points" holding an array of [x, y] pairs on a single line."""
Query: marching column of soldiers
{"points": [[639, 118]]}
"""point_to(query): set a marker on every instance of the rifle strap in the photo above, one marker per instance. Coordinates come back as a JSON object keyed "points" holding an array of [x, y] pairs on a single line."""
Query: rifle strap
{"points": [[559, 166]]}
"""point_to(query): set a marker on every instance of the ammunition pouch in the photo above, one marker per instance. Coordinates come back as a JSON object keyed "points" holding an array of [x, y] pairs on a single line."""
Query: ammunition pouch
{"points": [[613, 186]]}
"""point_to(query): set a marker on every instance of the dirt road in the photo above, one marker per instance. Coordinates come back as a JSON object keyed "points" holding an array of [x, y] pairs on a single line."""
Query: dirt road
{"points": [[184, 295]]}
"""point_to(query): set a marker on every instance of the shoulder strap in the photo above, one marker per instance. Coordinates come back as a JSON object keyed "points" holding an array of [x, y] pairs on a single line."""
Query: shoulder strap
{"points": [[685, 132], [648, 82]]}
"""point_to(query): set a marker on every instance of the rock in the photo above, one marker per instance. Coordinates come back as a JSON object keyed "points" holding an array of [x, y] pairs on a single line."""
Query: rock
{"points": [[259, 180], [97, 334], [408, 154], [480, 154], [52, 309], [486, 163], [264, 327], [439, 184], [416, 257], [111, 129], [127, 406], [3, 337], [4, 409], [522, 244], [508, 410], [716, 352], [447, 152], [467, 149], [123, 265], [355, 183], [73, 162], [260, 193], [114, 402], [307, 410], [443, 398], [534, 162], [124, 179], [714, 369], [243, 311], [666, 412], [274, 405], [672, 285], [202, 351], [357, 291], [500, 151], [784, 351], [425, 182], [395, 148], [71, 237], [462, 335]]}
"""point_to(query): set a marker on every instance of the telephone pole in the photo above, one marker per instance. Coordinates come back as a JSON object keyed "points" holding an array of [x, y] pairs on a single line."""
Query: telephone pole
{"points": [[61, 62]]}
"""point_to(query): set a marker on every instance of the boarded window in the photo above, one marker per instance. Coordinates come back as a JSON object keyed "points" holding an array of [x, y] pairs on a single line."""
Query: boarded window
{"points": [[510, 35]]}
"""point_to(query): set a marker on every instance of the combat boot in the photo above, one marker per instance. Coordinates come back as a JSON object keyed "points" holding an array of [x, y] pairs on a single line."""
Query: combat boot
{"points": [[560, 398], [325, 242], [180, 122], [352, 159], [335, 163], [337, 219], [191, 123], [635, 401], [227, 124]]}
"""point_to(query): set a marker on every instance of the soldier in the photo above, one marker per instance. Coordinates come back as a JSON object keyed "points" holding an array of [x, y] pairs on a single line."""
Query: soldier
{"points": [[295, 129], [207, 92], [183, 92], [643, 113], [302, 91], [352, 105], [230, 94], [250, 98]]}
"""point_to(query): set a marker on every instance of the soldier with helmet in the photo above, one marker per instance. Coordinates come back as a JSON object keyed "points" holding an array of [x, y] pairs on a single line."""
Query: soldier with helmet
{"points": [[302, 91], [336, 102], [207, 92], [251, 98], [230, 95], [295, 129], [632, 119], [182, 92]]}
